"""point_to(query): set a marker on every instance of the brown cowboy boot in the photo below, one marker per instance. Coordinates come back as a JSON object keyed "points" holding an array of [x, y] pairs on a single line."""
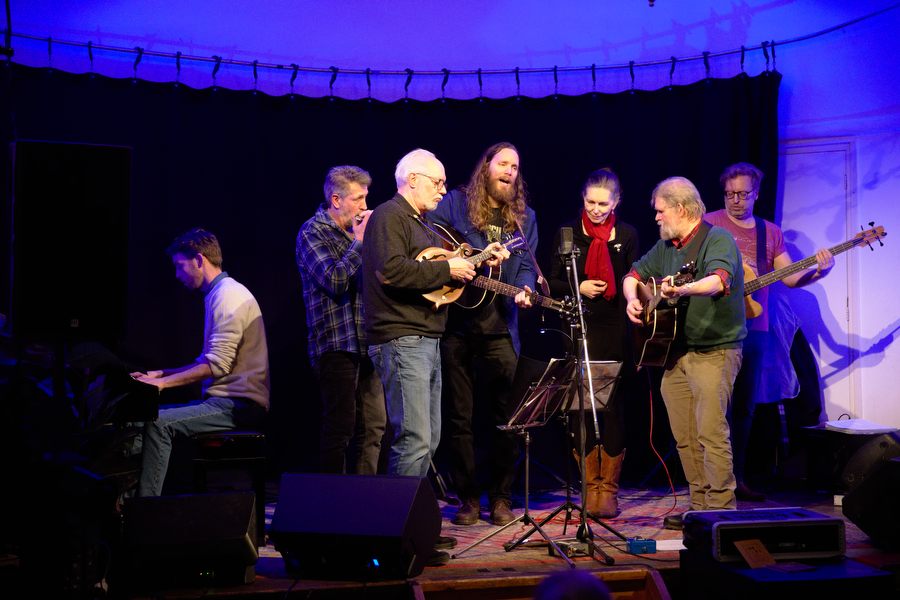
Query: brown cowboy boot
{"points": [[607, 505], [592, 478]]}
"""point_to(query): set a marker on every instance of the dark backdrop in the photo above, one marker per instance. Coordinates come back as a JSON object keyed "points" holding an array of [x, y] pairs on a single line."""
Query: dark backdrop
{"points": [[250, 168]]}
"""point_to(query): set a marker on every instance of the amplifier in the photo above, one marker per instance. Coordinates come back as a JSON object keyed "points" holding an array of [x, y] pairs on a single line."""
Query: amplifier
{"points": [[786, 532]]}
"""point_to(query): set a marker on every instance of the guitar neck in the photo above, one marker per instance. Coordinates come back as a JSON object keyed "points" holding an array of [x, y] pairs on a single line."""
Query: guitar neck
{"points": [[801, 265], [512, 291]]}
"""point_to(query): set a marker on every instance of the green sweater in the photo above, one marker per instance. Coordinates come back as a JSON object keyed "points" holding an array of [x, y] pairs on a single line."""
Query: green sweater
{"points": [[709, 323]]}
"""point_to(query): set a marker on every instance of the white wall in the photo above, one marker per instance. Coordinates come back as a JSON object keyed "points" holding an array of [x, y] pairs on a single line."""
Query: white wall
{"points": [[841, 86]]}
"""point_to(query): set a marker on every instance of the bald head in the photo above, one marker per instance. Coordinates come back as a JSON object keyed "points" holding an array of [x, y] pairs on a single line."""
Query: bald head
{"points": [[421, 179]]}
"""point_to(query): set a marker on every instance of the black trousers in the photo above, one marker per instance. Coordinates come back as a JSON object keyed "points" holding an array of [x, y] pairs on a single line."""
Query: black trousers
{"points": [[353, 414], [479, 368]]}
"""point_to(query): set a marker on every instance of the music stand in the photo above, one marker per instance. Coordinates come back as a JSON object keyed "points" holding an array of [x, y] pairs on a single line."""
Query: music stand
{"points": [[605, 377], [543, 399]]}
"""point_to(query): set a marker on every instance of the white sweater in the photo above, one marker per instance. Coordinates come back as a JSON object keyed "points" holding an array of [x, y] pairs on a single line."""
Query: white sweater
{"points": [[234, 344]]}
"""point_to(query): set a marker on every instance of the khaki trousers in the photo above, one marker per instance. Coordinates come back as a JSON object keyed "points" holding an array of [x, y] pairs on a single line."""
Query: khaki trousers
{"points": [[696, 391]]}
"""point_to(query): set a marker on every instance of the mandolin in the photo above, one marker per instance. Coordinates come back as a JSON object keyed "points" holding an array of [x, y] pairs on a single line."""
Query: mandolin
{"points": [[451, 292]]}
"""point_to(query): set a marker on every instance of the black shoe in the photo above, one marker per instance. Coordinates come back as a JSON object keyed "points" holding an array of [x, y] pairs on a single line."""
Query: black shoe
{"points": [[468, 513], [437, 559], [445, 542], [742, 492], [674, 522]]}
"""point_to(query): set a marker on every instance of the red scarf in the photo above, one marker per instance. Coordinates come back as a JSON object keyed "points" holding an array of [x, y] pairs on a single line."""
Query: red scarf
{"points": [[598, 264]]}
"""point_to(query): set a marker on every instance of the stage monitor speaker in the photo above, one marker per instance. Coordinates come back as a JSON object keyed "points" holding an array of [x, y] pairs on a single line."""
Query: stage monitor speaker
{"points": [[870, 458], [195, 539], [872, 505], [355, 526], [68, 271]]}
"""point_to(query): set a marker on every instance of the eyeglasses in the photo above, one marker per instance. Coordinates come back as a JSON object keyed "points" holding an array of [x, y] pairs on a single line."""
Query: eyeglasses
{"points": [[438, 183], [741, 194]]}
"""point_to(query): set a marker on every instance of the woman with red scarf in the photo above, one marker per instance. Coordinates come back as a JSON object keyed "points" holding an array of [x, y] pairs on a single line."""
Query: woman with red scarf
{"points": [[608, 247]]}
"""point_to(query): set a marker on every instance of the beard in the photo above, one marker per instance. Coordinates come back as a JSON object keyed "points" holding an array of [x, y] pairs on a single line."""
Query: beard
{"points": [[738, 212], [504, 194], [666, 233]]}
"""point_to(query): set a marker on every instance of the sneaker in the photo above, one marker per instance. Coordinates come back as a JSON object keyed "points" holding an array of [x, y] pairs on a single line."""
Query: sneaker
{"points": [[445, 542], [468, 513], [501, 513], [437, 559]]}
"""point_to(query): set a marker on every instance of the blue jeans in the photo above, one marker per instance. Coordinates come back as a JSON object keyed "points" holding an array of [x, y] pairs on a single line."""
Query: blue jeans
{"points": [[207, 416], [410, 368]]}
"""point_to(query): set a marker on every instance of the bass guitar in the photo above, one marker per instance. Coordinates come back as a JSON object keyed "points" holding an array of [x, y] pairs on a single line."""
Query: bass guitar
{"points": [[752, 283], [659, 318]]}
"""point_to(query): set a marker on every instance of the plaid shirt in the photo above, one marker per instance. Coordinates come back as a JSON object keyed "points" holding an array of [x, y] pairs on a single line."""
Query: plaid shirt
{"points": [[329, 262]]}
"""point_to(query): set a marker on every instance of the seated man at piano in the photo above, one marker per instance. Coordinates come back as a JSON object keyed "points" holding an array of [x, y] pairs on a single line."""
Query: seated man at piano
{"points": [[706, 356], [233, 365]]}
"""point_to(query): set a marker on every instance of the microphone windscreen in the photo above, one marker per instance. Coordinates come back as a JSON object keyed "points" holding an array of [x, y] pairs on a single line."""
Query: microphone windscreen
{"points": [[565, 241]]}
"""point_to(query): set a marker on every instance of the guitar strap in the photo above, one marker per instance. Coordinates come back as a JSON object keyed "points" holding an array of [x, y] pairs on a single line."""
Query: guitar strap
{"points": [[762, 264], [428, 226], [542, 281], [699, 238]]}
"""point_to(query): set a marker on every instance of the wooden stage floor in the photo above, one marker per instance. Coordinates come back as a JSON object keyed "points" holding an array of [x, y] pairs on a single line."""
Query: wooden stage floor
{"points": [[487, 570]]}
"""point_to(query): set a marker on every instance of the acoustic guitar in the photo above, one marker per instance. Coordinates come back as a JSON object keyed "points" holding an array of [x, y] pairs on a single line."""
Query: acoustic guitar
{"points": [[752, 283], [498, 287], [659, 318]]}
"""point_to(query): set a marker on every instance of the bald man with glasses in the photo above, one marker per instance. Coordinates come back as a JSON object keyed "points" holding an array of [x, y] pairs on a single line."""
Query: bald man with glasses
{"points": [[403, 327]]}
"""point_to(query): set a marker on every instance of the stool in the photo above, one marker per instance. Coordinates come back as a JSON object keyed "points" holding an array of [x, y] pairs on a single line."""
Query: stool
{"points": [[239, 449]]}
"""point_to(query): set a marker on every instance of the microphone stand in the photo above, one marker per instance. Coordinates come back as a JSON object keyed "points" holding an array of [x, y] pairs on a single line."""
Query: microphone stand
{"points": [[582, 364]]}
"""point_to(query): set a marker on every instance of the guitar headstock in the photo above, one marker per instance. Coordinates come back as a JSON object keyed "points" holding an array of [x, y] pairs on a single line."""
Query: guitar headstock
{"points": [[685, 274], [515, 243], [873, 234]]}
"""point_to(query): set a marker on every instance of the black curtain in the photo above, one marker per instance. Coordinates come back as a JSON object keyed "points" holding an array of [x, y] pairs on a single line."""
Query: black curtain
{"points": [[250, 168]]}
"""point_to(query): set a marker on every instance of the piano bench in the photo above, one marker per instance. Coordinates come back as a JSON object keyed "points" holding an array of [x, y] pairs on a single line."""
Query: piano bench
{"points": [[239, 449]]}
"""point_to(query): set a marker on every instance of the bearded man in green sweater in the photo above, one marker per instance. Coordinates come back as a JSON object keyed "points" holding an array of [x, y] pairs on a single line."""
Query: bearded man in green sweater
{"points": [[706, 356]]}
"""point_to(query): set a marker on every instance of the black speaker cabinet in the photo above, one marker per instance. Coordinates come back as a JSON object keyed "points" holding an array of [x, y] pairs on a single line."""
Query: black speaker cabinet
{"points": [[69, 232], [869, 458], [872, 504], [355, 526], [196, 539]]}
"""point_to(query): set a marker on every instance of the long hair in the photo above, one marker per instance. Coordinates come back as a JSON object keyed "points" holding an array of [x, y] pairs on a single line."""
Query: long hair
{"points": [[513, 213]]}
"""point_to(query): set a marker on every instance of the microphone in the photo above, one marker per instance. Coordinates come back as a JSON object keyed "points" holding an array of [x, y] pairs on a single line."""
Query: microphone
{"points": [[565, 241]]}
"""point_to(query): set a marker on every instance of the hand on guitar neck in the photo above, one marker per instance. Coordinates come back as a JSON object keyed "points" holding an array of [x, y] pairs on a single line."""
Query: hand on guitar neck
{"points": [[654, 307], [462, 270]]}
